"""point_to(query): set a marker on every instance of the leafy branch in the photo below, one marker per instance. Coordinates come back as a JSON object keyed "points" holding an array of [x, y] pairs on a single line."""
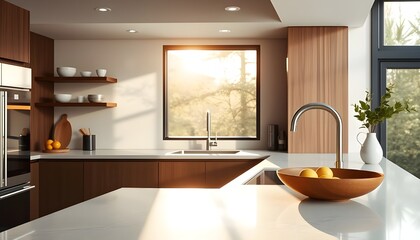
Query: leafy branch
{"points": [[371, 118]]}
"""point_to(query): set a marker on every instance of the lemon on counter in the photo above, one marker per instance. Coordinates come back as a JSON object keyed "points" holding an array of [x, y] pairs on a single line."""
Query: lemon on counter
{"points": [[308, 172], [324, 172]]}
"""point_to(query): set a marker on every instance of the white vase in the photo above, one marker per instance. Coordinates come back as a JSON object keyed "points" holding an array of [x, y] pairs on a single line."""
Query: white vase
{"points": [[371, 151]]}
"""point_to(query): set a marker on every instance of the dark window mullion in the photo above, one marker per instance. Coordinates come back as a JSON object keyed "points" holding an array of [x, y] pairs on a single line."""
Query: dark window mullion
{"points": [[380, 57]]}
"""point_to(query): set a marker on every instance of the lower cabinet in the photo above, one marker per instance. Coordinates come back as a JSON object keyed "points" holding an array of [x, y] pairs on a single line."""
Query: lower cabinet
{"points": [[104, 176], [60, 184], [201, 174], [63, 183], [34, 193], [182, 174], [219, 173]]}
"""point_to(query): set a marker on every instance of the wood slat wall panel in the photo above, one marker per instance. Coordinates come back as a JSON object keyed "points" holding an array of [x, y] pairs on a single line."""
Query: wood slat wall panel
{"points": [[42, 64], [317, 72]]}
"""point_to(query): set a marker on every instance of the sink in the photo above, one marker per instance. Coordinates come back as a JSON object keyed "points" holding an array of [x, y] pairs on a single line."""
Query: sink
{"points": [[265, 177], [209, 152]]}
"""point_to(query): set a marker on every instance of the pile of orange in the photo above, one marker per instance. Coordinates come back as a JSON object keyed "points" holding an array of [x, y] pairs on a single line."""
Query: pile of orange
{"points": [[52, 144]]}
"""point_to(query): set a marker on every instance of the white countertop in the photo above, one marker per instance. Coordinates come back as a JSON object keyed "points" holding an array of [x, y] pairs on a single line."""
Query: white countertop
{"points": [[143, 155], [237, 211]]}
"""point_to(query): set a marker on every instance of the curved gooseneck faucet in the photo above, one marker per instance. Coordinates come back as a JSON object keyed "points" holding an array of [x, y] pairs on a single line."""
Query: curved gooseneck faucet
{"points": [[339, 138]]}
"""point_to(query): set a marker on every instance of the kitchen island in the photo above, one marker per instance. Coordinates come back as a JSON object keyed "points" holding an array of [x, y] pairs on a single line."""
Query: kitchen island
{"points": [[238, 211]]}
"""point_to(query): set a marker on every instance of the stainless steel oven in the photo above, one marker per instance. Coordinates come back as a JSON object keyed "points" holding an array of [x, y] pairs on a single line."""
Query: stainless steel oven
{"points": [[15, 172]]}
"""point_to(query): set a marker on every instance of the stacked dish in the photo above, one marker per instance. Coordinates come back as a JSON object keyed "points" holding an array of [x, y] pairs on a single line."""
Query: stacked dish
{"points": [[95, 98]]}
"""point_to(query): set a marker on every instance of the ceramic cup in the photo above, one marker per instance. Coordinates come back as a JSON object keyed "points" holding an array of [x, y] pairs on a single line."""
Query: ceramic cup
{"points": [[101, 72]]}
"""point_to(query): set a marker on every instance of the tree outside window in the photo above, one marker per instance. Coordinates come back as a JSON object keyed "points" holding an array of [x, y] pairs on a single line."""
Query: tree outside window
{"points": [[219, 79], [396, 59]]}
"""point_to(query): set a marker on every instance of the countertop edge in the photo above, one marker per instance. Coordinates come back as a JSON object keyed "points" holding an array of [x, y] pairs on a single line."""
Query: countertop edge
{"points": [[145, 155]]}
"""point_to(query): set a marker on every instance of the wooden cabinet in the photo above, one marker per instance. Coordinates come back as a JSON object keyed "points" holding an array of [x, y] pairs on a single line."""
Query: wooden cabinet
{"points": [[61, 184], [103, 176], [219, 173], [34, 195], [201, 173], [14, 32], [317, 72], [182, 174]]}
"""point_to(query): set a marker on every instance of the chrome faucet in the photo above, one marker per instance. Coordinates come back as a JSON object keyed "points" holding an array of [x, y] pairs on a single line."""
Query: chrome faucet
{"points": [[210, 143], [339, 137]]}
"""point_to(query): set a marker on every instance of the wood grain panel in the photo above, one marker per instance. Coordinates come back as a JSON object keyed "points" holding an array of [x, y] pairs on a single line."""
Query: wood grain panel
{"points": [[104, 176], [34, 195], [60, 184], [219, 173], [14, 32], [182, 174], [42, 64], [317, 72]]}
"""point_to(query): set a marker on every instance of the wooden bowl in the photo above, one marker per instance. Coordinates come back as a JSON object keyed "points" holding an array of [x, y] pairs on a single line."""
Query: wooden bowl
{"points": [[351, 183]]}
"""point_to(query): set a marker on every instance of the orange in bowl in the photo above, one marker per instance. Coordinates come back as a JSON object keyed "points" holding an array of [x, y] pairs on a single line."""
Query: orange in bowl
{"points": [[346, 183]]}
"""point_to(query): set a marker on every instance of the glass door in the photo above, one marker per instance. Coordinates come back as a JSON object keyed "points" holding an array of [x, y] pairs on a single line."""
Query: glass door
{"points": [[403, 130]]}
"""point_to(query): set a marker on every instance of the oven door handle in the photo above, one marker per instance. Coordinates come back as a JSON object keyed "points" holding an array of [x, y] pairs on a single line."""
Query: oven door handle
{"points": [[3, 140], [24, 189]]}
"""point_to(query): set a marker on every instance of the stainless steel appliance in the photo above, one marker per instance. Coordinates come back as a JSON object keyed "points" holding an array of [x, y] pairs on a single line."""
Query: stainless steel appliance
{"points": [[14, 145]]}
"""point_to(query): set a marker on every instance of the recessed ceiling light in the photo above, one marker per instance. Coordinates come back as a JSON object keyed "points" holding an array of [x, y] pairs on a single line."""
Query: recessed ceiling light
{"points": [[232, 8], [131, 31], [224, 31], [103, 9]]}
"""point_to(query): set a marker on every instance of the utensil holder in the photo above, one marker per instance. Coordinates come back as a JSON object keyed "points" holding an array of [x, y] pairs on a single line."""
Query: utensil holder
{"points": [[89, 142]]}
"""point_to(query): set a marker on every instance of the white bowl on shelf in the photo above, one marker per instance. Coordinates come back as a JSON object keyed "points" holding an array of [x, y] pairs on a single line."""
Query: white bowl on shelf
{"points": [[62, 97], [95, 98], [101, 72], [66, 71], [85, 73]]}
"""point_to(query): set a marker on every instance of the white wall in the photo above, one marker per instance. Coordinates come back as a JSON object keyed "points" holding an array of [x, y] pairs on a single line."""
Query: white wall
{"points": [[136, 123], [359, 76]]}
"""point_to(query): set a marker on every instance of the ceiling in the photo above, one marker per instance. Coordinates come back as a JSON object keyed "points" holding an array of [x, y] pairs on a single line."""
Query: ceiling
{"points": [[78, 19]]}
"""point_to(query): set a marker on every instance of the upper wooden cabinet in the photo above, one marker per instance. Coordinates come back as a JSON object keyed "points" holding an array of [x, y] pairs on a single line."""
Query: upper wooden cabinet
{"points": [[14, 32], [317, 72]]}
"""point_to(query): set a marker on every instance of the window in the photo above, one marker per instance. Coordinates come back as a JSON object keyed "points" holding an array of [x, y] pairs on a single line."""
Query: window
{"points": [[223, 80], [396, 59], [401, 23]]}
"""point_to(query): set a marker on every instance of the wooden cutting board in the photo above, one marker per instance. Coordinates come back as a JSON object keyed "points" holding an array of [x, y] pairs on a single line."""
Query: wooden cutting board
{"points": [[63, 131]]}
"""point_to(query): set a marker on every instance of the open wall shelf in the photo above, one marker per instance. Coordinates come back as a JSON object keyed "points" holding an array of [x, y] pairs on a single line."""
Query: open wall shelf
{"points": [[76, 104], [77, 79]]}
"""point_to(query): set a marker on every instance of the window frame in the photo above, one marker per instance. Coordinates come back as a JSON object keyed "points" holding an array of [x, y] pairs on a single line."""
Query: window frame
{"points": [[386, 56], [210, 47]]}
